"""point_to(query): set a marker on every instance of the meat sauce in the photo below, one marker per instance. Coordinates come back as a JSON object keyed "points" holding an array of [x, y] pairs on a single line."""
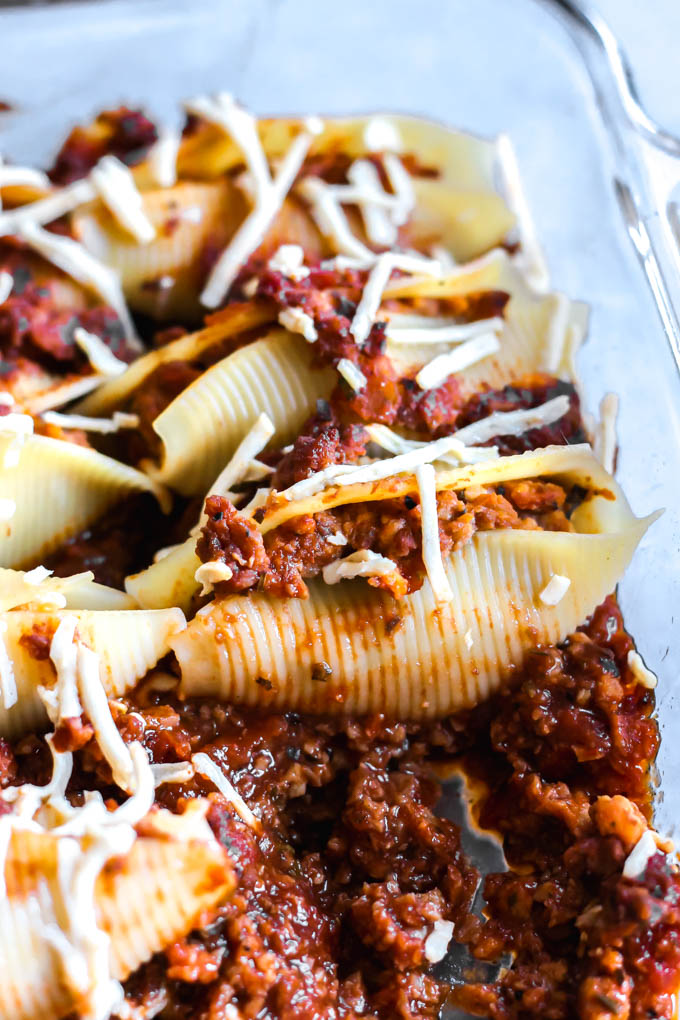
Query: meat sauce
{"points": [[354, 866]]}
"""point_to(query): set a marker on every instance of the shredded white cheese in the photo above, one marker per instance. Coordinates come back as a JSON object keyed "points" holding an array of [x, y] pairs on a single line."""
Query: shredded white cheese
{"points": [[247, 450], [378, 224], [637, 860], [530, 255], [212, 573], [8, 684], [72, 258], [254, 227], [555, 590], [331, 219], [37, 575], [403, 463], [352, 375], [95, 703], [162, 158], [298, 321], [378, 279], [432, 553], [604, 442], [455, 332], [6, 285], [402, 187], [8, 508], [241, 125], [514, 423], [437, 371], [437, 942], [337, 539], [317, 482], [205, 766], [22, 177], [363, 563], [250, 286], [380, 135], [47, 209], [468, 639], [100, 356], [172, 772], [642, 675], [62, 701], [289, 260], [259, 499], [17, 424], [120, 420], [391, 441], [116, 186], [6, 399]]}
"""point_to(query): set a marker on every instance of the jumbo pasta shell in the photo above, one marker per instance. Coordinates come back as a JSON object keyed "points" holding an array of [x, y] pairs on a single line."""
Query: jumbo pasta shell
{"points": [[79, 592], [462, 208], [604, 509], [144, 901], [186, 217], [128, 642], [202, 427], [59, 488], [168, 582], [413, 658], [541, 332], [226, 323]]}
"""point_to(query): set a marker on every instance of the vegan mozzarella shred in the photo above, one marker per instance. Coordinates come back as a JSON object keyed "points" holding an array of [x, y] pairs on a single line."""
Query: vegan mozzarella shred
{"points": [[74, 260], [455, 332], [6, 285], [437, 942], [22, 176], [96, 704], [530, 253], [331, 219], [47, 209], [162, 158], [363, 563], [637, 860], [378, 223], [211, 573], [8, 684], [432, 553], [514, 423], [172, 772], [604, 442], [289, 260], [240, 125], [247, 450], [555, 590], [117, 189], [65, 700], [437, 371], [106, 426], [381, 135], [643, 676], [101, 358], [378, 279], [298, 321], [205, 766], [352, 375], [254, 227]]}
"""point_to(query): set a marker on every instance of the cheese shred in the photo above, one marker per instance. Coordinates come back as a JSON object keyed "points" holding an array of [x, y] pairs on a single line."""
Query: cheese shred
{"points": [[432, 553]]}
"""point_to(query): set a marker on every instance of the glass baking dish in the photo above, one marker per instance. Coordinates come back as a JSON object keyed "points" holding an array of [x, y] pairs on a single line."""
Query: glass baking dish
{"points": [[597, 174]]}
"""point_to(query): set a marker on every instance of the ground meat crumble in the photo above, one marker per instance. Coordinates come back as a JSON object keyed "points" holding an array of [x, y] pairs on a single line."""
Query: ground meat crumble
{"points": [[354, 866]]}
